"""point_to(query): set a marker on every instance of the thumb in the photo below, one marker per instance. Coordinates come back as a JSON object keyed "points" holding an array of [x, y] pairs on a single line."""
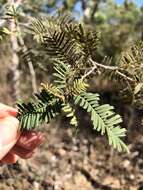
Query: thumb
{"points": [[9, 134], [7, 111]]}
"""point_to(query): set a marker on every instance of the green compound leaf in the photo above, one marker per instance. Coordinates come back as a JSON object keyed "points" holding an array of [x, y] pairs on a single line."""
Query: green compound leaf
{"points": [[104, 119], [37, 112]]}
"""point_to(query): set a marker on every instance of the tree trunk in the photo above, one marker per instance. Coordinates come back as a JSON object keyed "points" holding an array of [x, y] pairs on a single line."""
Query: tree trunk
{"points": [[14, 71], [30, 64]]}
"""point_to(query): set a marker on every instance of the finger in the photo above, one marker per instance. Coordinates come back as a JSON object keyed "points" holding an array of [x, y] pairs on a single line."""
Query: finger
{"points": [[9, 134], [30, 140], [21, 152], [9, 159], [7, 111], [9, 130], [12, 111]]}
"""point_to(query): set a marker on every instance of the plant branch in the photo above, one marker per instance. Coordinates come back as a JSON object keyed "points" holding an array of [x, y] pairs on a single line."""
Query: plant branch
{"points": [[106, 67], [124, 76], [88, 73]]}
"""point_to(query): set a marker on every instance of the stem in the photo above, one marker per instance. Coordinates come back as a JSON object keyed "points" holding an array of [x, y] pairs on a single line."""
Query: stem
{"points": [[113, 68], [124, 76], [88, 73], [106, 67]]}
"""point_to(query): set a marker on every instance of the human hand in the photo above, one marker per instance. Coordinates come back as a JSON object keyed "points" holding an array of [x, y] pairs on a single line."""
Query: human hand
{"points": [[13, 143]]}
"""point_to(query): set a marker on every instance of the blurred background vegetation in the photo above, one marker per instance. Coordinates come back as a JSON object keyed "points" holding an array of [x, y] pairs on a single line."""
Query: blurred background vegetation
{"points": [[119, 26]]}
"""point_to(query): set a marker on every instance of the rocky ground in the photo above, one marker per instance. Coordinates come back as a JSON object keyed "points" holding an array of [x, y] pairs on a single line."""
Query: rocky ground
{"points": [[81, 162]]}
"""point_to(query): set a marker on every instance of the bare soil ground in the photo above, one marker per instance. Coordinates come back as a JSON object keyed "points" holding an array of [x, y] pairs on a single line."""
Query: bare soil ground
{"points": [[82, 162]]}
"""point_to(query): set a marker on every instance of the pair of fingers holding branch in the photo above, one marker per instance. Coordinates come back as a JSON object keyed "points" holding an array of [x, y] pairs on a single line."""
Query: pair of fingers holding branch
{"points": [[13, 143]]}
